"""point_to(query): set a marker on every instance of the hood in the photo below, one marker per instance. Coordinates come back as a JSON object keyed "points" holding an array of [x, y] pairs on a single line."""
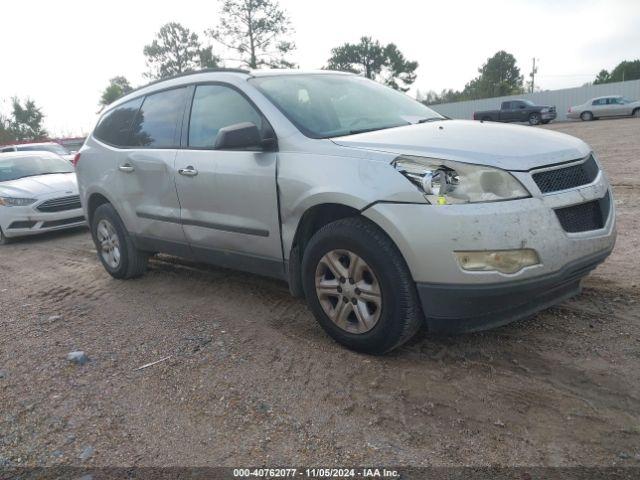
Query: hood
{"points": [[41, 185], [510, 147]]}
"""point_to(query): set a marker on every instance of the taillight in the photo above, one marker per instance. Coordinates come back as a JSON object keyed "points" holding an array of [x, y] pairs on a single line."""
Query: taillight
{"points": [[76, 159], [474, 115], [569, 110]]}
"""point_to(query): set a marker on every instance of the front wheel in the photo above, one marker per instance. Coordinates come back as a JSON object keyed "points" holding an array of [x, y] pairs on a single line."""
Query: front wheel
{"points": [[115, 247], [3, 240], [535, 119], [359, 288]]}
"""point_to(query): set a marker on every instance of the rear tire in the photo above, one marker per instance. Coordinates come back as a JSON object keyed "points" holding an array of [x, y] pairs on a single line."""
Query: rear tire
{"points": [[374, 307], [535, 119], [116, 250], [586, 116]]}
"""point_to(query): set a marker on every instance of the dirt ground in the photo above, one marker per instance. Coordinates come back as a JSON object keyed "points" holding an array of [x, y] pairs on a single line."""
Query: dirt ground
{"points": [[251, 378]]}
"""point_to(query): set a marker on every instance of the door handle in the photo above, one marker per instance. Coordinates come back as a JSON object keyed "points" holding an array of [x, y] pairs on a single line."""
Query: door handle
{"points": [[188, 172], [127, 168]]}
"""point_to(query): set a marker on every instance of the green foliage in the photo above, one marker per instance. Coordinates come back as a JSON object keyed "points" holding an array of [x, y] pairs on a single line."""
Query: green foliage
{"points": [[118, 87], [176, 50], [602, 77], [25, 123], [626, 70], [499, 76], [256, 31], [385, 64]]}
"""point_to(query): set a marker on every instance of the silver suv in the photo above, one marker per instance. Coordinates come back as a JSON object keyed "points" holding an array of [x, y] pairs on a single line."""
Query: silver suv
{"points": [[382, 213]]}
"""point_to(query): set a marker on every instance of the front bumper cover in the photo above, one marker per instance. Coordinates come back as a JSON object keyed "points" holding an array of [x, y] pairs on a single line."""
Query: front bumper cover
{"points": [[455, 308]]}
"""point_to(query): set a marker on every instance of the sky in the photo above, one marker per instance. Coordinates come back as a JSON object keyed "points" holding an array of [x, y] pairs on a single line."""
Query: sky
{"points": [[62, 53]]}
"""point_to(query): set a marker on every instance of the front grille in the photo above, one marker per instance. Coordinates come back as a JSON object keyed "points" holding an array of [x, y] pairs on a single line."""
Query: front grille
{"points": [[60, 204], [59, 223], [586, 216], [568, 177]]}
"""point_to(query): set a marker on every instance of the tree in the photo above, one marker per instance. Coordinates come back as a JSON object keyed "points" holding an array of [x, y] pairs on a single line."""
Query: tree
{"points": [[602, 77], [26, 121], [118, 87], [499, 76], [176, 50], [6, 136], [257, 31], [385, 64]]}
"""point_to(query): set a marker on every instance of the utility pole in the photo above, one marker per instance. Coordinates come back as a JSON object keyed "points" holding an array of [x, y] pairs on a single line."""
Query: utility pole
{"points": [[534, 70]]}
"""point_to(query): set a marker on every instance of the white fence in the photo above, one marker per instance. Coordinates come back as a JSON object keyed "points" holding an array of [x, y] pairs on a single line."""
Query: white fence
{"points": [[562, 99]]}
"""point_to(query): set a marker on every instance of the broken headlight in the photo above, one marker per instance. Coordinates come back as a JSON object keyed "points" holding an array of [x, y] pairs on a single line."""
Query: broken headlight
{"points": [[446, 182]]}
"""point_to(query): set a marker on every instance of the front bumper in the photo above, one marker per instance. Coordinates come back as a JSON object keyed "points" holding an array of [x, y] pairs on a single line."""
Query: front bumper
{"points": [[455, 299], [25, 221], [548, 116], [469, 308]]}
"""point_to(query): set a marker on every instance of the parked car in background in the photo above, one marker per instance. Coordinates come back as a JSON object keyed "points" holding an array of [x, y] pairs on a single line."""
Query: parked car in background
{"points": [[379, 211], [52, 147], [518, 111], [601, 107], [38, 193]]}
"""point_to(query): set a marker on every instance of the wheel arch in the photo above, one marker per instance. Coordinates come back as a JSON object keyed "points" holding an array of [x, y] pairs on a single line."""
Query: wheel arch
{"points": [[94, 200]]}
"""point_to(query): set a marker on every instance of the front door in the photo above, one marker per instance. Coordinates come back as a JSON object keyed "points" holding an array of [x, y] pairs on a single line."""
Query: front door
{"points": [[228, 198]]}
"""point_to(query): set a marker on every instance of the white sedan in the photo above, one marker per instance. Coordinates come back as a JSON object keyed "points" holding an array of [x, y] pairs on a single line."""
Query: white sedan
{"points": [[38, 193]]}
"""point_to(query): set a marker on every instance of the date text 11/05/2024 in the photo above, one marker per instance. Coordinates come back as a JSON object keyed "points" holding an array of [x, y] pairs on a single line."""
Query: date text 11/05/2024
{"points": [[315, 473]]}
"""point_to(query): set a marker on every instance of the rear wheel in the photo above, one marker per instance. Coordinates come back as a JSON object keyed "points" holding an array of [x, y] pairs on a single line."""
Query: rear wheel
{"points": [[115, 247], [586, 116], [535, 119], [359, 288]]}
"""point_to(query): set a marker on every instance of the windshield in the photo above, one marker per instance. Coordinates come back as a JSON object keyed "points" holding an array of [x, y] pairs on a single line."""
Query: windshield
{"points": [[19, 167], [59, 149], [325, 105]]}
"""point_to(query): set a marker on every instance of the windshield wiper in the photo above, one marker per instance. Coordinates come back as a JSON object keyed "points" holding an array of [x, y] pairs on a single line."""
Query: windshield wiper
{"points": [[431, 119]]}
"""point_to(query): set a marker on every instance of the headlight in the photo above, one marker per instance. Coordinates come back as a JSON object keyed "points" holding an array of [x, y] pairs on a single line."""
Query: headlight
{"points": [[16, 202], [446, 182], [544, 110]]}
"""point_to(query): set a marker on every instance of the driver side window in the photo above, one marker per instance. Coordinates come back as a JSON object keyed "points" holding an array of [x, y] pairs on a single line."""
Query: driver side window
{"points": [[215, 107]]}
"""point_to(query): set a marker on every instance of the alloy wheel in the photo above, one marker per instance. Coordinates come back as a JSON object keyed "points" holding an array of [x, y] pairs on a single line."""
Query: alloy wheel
{"points": [[109, 243], [348, 291]]}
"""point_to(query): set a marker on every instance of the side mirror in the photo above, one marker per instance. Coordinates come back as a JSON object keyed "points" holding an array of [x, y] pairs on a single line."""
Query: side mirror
{"points": [[241, 136]]}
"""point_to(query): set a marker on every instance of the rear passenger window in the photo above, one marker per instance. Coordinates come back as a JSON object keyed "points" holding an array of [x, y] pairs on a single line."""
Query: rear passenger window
{"points": [[114, 126], [156, 124], [215, 107]]}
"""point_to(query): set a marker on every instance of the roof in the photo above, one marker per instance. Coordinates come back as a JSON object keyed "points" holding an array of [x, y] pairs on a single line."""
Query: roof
{"points": [[28, 154], [236, 72]]}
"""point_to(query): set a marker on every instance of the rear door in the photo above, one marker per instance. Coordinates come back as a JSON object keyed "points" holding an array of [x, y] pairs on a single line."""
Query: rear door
{"points": [[146, 170], [228, 198]]}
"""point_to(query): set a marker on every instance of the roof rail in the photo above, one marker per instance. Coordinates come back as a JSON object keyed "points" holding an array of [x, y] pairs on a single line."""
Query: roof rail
{"points": [[184, 74]]}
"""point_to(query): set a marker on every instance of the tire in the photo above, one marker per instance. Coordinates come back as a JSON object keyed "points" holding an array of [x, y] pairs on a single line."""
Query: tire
{"points": [[636, 113], [535, 119], [382, 271], [130, 262], [4, 240], [586, 116]]}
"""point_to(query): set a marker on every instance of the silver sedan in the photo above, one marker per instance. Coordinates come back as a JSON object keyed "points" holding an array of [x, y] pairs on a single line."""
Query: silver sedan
{"points": [[611, 106]]}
